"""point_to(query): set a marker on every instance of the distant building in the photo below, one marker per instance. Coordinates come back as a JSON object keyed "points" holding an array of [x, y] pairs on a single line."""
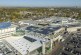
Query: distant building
{"points": [[6, 29], [25, 12], [28, 22]]}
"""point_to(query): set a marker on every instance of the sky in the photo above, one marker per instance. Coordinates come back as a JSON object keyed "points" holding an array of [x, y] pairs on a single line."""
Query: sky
{"points": [[40, 3]]}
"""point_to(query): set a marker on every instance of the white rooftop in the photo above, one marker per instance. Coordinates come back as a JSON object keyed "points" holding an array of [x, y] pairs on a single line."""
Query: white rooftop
{"points": [[1, 53], [22, 45]]}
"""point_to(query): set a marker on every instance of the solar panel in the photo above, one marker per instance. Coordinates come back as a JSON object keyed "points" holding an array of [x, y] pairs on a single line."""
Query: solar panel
{"points": [[29, 39], [44, 31], [5, 25]]}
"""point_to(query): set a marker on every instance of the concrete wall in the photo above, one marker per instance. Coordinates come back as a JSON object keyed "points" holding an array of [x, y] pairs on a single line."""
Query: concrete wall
{"points": [[7, 32], [72, 29]]}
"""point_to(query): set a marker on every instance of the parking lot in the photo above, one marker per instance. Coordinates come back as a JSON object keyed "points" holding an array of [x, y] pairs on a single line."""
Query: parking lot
{"points": [[73, 45]]}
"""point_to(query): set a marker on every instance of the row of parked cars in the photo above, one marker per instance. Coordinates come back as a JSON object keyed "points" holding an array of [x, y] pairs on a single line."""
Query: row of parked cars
{"points": [[73, 45]]}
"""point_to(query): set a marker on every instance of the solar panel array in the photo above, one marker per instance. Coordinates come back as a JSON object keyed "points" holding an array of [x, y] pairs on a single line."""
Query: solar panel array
{"points": [[5, 25], [29, 39], [44, 31]]}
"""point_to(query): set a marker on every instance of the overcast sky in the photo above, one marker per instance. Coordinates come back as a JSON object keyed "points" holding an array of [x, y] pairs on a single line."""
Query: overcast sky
{"points": [[40, 3]]}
